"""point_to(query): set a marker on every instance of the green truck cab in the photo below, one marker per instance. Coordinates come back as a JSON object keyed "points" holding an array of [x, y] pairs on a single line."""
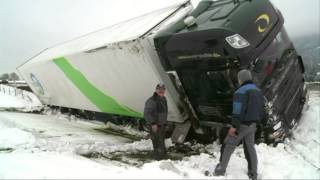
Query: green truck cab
{"points": [[207, 48]]}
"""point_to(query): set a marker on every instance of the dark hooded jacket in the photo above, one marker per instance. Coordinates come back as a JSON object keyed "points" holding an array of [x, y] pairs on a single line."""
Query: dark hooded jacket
{"points": [[248, 105], [156, 110]]}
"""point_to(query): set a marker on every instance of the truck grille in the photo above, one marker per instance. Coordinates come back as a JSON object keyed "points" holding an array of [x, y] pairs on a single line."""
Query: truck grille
{"points": [[210, 110]]}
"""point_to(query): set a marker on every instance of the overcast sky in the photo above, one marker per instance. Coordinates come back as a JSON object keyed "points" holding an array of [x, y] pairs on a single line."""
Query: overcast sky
{"points": [[29, 26]]}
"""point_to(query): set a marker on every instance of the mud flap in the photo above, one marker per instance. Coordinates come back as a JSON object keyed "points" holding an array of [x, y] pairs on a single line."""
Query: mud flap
{"points": [[180, 132]]}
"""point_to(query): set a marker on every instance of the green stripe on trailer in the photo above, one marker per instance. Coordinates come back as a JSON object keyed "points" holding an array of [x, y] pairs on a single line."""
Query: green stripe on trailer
{"points": [[105, 103]]}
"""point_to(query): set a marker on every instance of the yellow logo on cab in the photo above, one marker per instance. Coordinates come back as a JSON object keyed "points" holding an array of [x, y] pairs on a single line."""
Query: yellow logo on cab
{"points": [[266, 19]]}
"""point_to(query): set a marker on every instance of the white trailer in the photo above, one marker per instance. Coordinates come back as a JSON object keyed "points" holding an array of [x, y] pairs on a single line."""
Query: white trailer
{"points": [[113, 70]]}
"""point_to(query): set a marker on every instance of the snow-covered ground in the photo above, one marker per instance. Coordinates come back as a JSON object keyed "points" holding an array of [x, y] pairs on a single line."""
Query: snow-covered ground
{"points": [[55, 146]]}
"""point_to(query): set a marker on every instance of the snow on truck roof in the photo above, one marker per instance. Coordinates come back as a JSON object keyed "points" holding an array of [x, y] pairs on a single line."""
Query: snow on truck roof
{"points": [[123, 31]]}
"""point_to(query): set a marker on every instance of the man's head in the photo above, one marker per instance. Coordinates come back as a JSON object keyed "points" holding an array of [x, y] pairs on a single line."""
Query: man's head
{"points": [[160, 89], [243, 76]]}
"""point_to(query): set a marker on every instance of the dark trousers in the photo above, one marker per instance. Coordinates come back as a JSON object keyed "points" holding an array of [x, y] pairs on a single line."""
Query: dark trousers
{"points": [[246, 155], [246, 134], [159, 149]]}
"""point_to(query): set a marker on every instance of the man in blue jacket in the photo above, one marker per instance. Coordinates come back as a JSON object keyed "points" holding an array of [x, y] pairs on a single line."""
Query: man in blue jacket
{"points": [[248, 111]]}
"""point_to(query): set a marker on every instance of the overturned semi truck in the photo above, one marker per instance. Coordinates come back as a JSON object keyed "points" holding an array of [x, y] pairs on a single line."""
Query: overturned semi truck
{"points": [[196, 52]]}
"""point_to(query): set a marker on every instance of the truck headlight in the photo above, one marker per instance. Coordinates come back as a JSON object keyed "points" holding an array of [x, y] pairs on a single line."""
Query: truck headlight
{"points": [[277, 126], [237, 41]]}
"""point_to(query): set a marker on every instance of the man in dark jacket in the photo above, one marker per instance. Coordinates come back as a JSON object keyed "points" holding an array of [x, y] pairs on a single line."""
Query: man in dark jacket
{"points": [[155, 114], [248, 110]]}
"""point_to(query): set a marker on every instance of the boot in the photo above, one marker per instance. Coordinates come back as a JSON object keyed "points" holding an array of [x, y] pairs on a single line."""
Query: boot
{"points": [[218, 171]]}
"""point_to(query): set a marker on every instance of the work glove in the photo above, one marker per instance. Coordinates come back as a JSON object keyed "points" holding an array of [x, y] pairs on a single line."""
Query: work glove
{"points": [[232, 132], [154, 127]]}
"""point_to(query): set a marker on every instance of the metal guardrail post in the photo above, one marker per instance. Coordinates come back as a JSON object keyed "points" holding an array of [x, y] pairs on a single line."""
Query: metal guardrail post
{"points": [[313, 86]]}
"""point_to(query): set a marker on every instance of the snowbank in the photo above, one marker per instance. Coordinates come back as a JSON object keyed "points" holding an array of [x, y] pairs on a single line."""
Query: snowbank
{"points": [[12, 137], [49, 166], [16, 99]]}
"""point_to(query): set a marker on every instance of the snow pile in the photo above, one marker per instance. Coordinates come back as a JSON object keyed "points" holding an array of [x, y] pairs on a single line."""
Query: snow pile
{"points": [[16, 99], [10, 101], [143, 145], [49, 166], [306, 137], [127, 129], [57, 134], [69, 166], [283, 162], [13, 137]]}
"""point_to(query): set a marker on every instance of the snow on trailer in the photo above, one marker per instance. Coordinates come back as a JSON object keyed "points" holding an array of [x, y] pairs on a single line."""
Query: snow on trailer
{"points": [[113, 70]]}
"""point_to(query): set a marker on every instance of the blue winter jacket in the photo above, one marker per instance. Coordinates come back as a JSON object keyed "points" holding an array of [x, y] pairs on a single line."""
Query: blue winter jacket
{"points": [[248, 105]]}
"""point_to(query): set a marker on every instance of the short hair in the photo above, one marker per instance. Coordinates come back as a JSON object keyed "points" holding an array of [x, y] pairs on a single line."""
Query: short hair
{"points": [[244, 75], [160, 86]]}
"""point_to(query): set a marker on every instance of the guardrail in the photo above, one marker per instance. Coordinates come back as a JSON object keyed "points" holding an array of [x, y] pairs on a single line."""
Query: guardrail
{"points": [[13, 91], [313, 86]]}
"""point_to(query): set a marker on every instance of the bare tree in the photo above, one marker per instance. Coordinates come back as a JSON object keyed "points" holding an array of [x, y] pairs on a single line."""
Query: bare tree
{"points": [[4, 76], [14, 77]]}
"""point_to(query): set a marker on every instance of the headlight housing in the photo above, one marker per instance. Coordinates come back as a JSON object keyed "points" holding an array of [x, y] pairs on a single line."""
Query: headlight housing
{"points": [[237, 41], [277, 126]]}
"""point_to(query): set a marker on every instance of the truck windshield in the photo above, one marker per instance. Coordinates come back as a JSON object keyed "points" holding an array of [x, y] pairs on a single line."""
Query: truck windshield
{"points": [[271, 58]]}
